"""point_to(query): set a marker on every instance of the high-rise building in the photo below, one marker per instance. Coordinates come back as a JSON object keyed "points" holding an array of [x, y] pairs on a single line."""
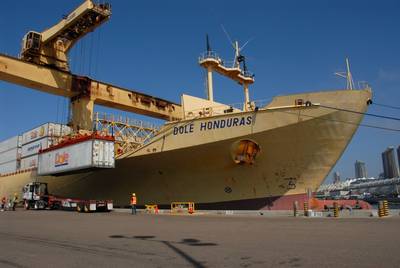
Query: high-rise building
{"points": [[385, 165], [398, 155], [336, 177], [390, 166], [361, 171]]}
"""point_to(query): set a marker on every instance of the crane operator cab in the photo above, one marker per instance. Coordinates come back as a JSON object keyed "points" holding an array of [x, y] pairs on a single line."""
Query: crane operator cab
{"points": [[31, 44], [35, 195]]}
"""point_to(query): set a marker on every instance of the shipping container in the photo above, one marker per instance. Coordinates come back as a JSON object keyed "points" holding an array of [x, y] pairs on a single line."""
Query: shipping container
{"points": [[46, 130], [34, 147], [10, 155], [9, 167], [10, 143], [29, 162], [93, 153]]}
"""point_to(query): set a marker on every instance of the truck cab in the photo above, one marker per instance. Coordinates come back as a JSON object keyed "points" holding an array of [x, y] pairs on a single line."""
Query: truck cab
{"points": [[35, 195]]}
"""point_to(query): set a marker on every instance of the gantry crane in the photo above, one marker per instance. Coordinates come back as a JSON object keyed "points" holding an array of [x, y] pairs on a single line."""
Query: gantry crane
{"points": [[43, 65]]}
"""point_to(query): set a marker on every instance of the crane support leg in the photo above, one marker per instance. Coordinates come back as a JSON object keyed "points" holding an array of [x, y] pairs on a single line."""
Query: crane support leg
{"points": [[82, 113]]}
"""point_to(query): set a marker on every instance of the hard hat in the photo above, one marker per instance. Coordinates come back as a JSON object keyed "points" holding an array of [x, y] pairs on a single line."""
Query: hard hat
{"points": [[133, 194]]}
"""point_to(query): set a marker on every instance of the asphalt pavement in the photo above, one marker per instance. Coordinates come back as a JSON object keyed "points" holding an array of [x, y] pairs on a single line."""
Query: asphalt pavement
{"points": [[70, 239]]}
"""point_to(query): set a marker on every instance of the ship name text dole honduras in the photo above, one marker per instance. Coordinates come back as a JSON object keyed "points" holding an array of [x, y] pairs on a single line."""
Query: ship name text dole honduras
{"points": [[214, 124]]}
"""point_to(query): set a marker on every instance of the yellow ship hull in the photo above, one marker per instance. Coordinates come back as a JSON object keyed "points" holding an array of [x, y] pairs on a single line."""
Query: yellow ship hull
{"points": [[192, 160]]}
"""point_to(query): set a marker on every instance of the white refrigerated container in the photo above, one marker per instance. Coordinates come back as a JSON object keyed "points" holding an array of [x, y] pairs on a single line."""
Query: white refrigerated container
{"points": [[10, 155], [10, 143], [93, 153], [46, 130], [9, 167], [29, 162], [34, 147]]}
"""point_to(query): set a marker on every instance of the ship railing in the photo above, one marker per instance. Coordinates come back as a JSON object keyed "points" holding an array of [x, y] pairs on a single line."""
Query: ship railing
{"points": [[210, 55], [247, 74], [214, 110], [224, 109], [227, 64], [110, 118]]}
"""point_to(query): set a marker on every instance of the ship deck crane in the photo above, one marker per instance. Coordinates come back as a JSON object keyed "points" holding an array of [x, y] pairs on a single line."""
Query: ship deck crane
{"points": [[43, 66]]}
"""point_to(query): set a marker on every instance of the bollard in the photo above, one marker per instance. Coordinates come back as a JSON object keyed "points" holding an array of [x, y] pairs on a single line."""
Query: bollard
{"points": [[295, 208], [381, 212], [385, 208], [306, 209], [335, 210]]}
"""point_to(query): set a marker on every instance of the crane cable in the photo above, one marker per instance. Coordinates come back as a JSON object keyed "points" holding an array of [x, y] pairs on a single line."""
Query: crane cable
{"points": [[363, 113], [387, 106], [349, 123], [97, 56]]}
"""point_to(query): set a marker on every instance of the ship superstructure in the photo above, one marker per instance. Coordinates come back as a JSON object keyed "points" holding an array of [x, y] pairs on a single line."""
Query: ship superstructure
{"points": [[216, 155]]}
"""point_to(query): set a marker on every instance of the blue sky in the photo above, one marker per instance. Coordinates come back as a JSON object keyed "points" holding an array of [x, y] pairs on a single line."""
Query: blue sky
{"points": [[153, 46]]}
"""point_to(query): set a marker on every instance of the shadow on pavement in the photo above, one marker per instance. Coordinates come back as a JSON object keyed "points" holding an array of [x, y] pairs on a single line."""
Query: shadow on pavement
{"points": [[169, 244]]}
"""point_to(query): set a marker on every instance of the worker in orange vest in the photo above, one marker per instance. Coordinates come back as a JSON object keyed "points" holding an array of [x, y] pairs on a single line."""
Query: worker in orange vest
{"points": [[14, 201], [133, 203]]}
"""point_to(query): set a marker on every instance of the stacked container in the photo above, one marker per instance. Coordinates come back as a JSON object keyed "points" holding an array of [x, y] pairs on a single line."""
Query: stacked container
{"points": [[40, 138], [10, 154]]}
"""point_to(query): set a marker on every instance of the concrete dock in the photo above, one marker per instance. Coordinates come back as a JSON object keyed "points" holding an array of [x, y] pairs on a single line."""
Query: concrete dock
{"points": [[70, 239]]}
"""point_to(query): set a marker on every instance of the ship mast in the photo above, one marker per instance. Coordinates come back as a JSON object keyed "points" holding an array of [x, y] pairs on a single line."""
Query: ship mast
{"points": [[347, 75], [350, 83], [211, 62]]}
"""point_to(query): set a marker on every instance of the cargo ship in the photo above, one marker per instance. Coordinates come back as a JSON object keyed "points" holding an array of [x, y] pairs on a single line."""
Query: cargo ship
{"points": [[255, 156], [262, 159]]}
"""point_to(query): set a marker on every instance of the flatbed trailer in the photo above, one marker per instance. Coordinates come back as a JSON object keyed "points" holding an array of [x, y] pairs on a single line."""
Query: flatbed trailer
{"points": [[36, 196]]}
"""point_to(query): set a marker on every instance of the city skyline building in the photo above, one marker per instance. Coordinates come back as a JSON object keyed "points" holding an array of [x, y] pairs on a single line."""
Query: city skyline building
{"points": [[398, 155], [336, 177], [390, 165], [360, 169]]}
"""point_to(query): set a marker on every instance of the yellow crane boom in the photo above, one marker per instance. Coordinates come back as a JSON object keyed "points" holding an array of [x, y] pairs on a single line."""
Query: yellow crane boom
{"points": [[51, 46], [84, 92], [44, 66]]}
